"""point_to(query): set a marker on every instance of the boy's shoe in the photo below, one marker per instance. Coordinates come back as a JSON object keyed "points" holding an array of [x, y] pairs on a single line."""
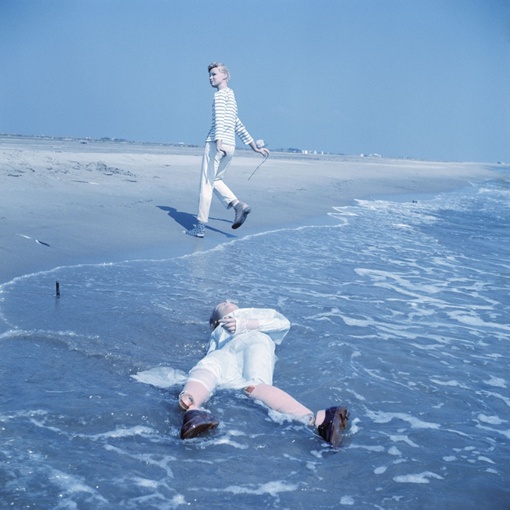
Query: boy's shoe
{"points": [[196, 422], [333, 426], [198, 230], [242, 210]]}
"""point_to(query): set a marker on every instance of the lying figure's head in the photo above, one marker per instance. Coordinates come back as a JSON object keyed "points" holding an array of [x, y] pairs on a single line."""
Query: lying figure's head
{"points": [[221, 311]]}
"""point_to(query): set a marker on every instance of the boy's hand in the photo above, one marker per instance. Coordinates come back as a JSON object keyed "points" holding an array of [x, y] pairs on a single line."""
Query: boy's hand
{"points": [[220, 149], [263, 151]]}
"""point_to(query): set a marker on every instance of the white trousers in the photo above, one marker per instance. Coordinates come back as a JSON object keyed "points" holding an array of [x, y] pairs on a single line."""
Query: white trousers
{"points": [[246, 360], [214, 166]]}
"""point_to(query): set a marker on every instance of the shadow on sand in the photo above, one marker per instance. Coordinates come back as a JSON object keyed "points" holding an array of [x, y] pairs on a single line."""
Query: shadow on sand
{"points": [[187, 220]]}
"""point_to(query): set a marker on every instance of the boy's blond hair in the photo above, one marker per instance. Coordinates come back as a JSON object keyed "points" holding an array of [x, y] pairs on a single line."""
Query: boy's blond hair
{"points": [[221, 67]]}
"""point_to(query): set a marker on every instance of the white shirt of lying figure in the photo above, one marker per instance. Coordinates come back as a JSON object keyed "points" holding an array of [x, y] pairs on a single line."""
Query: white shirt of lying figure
{"points": [[229, 322]]}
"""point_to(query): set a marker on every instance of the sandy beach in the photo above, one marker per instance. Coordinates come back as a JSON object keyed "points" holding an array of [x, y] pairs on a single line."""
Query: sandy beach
{"points": [[67, 202]]}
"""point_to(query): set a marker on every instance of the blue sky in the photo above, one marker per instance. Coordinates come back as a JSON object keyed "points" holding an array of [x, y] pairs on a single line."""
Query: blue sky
{"points": [[427, 79]]}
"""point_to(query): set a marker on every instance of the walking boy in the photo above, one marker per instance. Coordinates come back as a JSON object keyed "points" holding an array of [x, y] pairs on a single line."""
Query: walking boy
{"points": [[219, 150]]}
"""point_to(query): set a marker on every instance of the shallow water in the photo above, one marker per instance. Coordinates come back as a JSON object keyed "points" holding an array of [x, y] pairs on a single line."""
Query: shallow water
{"points": [[399, 310]]}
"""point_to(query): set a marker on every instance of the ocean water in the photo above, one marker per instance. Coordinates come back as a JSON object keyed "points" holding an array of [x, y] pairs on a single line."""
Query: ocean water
{"points": [[400, 311]]}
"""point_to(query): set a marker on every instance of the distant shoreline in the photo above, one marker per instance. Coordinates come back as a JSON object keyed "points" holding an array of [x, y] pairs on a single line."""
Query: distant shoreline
{"points": [[276, 152]]}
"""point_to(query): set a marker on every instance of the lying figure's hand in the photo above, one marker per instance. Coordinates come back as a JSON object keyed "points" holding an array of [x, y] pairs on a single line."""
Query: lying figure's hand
{"points": [[238, 325], [229, 323]]}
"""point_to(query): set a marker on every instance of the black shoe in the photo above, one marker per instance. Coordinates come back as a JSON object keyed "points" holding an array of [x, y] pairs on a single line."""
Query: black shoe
{"points": [[242, 211], [333, 426], [195, 422]]}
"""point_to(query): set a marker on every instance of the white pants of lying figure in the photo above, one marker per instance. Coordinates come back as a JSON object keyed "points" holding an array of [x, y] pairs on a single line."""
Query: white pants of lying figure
{"points": [[202, 382], [214, 167]]}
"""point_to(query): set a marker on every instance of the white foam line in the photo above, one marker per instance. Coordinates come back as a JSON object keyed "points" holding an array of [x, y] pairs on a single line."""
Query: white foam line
{"points": [[382, 417], [417, 478], [188, 255], [138, 430], [505, 433], [272, 488]]}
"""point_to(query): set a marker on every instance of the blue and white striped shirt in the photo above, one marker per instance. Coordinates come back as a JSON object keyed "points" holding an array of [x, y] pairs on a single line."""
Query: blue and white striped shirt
{"points": [[225, 122]]}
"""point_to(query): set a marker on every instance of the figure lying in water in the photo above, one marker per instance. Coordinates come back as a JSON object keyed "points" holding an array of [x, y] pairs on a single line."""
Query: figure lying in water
{"points": [[241, 355]]}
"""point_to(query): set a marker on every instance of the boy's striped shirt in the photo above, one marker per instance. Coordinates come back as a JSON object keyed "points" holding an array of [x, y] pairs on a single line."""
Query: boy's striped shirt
{"points": [[225, 122]]}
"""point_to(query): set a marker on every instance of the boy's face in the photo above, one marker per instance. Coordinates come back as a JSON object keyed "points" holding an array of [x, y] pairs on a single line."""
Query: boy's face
{"points": [[217, 79]]}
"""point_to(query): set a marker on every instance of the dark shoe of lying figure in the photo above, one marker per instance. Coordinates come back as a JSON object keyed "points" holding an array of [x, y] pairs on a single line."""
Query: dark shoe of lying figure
{"points": [[196, 422], [333, 426]]}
